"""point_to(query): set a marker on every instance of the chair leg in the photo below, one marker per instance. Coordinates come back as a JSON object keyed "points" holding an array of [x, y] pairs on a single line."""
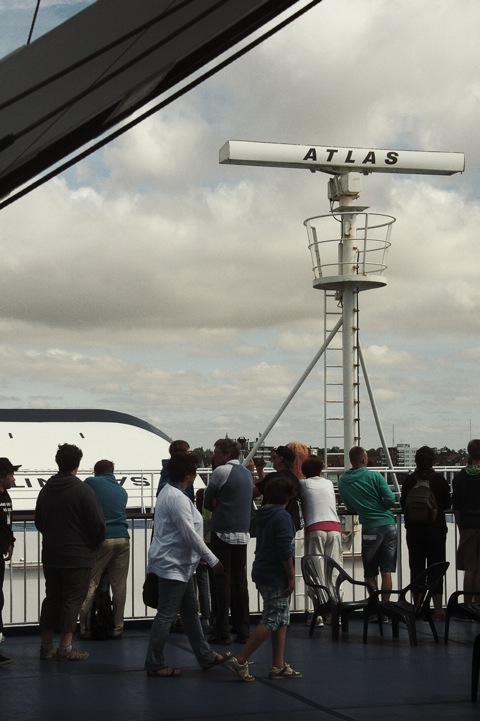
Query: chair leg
{"points": [[447, 627], [434, 630], [475, 667], [365, 626], [380, 623], [395, 627], [412, 630], [335, 621]]}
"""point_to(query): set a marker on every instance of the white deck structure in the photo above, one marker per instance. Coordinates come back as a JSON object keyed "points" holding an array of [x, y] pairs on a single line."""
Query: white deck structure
{"points": [[31, 437]]}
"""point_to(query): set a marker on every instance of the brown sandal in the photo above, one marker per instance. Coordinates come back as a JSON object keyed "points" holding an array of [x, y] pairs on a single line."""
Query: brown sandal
{"points": [[219, 658], [165, 672]]}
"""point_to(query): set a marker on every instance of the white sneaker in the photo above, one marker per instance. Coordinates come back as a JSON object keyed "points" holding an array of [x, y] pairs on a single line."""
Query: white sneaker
{"points": [[285, 672], [240, 669], [2, 637], [318, 622]]}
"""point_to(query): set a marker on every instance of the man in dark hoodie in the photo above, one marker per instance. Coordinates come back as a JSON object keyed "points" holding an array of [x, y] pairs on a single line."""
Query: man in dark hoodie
{"points": [[70, 519]]}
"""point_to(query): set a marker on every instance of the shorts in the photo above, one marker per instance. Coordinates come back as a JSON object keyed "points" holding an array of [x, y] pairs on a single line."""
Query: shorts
{"points": [[468, 551], [276, 611], [379, 550]]}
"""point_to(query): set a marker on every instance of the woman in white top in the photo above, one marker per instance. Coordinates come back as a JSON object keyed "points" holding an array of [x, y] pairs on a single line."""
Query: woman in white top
{"points": [[176, 548], [319, 506]]}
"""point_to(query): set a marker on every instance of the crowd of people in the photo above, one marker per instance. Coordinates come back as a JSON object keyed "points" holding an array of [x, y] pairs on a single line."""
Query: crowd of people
{"points": [[198, 550]]}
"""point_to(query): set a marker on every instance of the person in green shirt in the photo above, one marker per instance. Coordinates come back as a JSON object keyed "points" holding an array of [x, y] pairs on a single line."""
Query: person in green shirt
{"points": [[367, 494]]}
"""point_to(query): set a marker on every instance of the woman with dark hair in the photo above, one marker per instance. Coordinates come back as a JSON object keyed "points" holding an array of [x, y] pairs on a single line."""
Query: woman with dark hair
{"points": [[176, 548], [283, 459], [426, 538], [322, 524]]}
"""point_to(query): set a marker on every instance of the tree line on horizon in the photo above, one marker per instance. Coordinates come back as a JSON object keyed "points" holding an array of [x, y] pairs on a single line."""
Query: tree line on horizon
{"points": [[443, 456]]}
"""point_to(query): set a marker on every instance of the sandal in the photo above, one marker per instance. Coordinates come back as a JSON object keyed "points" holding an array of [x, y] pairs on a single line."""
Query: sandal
{"points": [[165, 672], [219, 658]]}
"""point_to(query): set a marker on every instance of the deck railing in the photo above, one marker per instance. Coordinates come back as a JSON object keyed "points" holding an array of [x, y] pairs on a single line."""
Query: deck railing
{"points": [[24, 585]]}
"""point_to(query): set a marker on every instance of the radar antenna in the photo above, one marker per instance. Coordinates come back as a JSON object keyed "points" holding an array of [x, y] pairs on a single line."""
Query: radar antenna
{"points": [[357, 260]]}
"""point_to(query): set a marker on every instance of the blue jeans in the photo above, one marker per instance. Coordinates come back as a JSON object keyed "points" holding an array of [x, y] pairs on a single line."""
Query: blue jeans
{"points": [[203, 590], [176, 597]]}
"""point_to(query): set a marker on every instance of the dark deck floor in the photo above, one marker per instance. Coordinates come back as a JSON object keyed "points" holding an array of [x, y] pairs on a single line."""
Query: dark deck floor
{"points": [[385, 679]]}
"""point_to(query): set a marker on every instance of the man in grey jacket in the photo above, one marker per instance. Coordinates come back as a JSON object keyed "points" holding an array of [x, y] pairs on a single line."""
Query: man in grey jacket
{"points": [[229, 495]]}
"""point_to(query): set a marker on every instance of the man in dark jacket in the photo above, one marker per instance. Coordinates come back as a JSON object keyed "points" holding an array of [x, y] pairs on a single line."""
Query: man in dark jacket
{"points": [[7, 540], [466, 507], [426, 540], [70, 519]]}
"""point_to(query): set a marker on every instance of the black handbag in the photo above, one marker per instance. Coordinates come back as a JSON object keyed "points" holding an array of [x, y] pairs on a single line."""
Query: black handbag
{"points": [[150, 590]]}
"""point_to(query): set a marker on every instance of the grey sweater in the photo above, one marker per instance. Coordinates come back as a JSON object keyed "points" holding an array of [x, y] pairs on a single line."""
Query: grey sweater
{"points": [[231, 486]]}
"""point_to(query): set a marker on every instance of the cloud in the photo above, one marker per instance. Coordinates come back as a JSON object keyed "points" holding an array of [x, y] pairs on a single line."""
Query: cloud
{"points": [[153, 280], [472, 353], [387, 395], [382, 356]]}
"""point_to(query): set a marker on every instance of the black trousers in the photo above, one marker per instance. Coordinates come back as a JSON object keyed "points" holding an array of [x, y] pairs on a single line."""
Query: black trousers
{"points": [[231, 587], [426, 545], [65, 591]]}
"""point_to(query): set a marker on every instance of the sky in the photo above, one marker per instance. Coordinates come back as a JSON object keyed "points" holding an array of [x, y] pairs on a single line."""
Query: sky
{"points": [[152, 280]]}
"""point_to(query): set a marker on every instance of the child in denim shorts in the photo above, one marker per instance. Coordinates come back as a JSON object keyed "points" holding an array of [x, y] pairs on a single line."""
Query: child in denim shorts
{"points": [[273, 572]]}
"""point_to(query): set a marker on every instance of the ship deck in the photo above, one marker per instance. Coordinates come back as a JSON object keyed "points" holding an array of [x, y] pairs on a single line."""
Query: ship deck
{"points": [[347, 680]]}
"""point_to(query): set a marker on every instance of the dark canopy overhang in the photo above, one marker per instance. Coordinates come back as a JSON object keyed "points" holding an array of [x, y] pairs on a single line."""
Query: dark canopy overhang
{"points": [[88, 75]]}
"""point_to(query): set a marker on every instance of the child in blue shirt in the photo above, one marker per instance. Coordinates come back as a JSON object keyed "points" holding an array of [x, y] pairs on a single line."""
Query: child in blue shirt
{"points": [[273, 572]]}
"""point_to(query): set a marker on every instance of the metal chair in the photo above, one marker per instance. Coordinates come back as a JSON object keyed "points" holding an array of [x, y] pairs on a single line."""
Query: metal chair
{"points": [[325, 577], [421, 589], [462, 610]]}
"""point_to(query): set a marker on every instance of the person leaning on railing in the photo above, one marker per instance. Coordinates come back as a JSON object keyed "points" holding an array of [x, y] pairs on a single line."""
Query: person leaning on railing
{"points": [[426, 537], [322, 524], [365, 492]]}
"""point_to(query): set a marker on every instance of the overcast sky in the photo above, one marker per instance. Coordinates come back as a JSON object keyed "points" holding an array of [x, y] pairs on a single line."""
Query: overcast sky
{"points": [[154, 281]]}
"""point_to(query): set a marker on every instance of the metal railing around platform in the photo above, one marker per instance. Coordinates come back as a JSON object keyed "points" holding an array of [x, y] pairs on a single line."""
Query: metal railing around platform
{"points": [[24, 584]]}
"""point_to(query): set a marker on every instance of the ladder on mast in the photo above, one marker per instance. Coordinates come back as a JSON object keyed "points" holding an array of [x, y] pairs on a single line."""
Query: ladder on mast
{"points": [[333, 392]]}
